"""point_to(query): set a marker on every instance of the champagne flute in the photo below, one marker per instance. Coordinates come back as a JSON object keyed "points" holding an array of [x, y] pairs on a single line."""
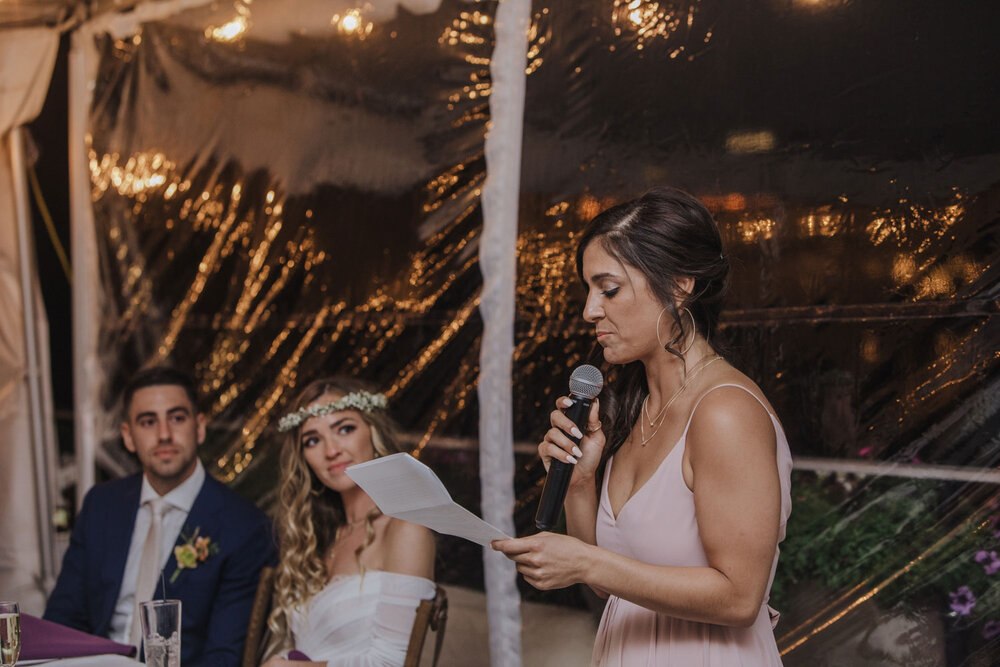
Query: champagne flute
{"points": [[10, 633]]}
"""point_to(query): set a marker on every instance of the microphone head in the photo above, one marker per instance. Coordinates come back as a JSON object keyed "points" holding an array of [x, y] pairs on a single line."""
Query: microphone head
{"points": [[586, 381]]}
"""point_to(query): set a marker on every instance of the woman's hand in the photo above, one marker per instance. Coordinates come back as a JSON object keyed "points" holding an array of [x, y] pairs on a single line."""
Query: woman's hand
{"points": [[557, 445], [547, 560]]}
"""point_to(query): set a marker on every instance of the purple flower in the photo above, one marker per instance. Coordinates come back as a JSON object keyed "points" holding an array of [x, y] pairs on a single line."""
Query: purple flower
{"points": [[991, 564], [991, 629], [962, 601]]}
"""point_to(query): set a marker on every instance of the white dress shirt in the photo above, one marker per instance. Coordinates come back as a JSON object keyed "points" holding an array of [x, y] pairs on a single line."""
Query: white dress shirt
{"points": [[178, 503]]}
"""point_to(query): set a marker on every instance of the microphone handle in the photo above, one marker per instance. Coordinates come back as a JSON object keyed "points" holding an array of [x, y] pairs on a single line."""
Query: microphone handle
{"points": [[557, 481]]}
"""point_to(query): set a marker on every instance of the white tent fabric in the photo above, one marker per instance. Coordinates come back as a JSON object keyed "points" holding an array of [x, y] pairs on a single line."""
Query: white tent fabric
{"points": [[497, 255], [498, 262], [27, 57]]}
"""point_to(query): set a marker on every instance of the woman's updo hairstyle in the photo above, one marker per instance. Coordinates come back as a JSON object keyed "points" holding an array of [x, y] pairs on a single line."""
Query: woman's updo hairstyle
{"points": [[666, 234]]}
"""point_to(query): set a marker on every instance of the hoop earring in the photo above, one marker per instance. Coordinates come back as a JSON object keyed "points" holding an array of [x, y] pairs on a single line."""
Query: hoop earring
{"points": [[694, 328], [658, 317]]}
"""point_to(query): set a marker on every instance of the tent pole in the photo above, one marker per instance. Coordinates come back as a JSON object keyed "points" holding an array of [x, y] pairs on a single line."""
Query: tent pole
{"points": [[43, 451], [83, 248], [498, 263]]}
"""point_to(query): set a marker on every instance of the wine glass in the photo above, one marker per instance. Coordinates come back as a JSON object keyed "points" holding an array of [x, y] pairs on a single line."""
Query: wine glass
{"points": [[10, 633]]}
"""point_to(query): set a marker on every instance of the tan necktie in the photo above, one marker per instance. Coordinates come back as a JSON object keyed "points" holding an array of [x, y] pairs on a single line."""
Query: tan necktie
{"points": [[149, 565]]}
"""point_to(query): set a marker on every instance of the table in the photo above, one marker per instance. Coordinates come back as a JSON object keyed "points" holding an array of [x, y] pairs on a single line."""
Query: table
{"points": [[88, 661]]}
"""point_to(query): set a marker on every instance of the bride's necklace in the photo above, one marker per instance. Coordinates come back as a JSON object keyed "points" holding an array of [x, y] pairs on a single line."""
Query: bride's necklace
{"points": [[661, 415], [347, 526], [345, 529]]}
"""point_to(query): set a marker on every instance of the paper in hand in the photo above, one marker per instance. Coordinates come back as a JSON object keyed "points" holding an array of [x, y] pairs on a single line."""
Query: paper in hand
{"points": [[405, 488]]}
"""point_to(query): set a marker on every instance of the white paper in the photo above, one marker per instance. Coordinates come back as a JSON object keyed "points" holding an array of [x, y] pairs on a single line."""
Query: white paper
{"points": [[406, 489]]}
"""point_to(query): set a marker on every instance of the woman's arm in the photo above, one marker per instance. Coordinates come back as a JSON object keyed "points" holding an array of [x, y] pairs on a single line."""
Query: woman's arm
{"points": [[731, 445], [409, 549]]}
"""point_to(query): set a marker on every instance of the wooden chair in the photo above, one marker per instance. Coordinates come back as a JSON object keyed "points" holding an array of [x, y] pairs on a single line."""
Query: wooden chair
{"points": [[258, 618], [432, 614]]}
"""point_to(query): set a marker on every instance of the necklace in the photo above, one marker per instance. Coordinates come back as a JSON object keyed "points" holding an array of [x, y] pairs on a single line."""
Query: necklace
{"points": [[661, 415], [702, 363]]}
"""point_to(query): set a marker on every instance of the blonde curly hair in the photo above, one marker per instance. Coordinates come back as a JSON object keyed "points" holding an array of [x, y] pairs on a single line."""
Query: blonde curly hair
{"points": [[310, 513]]}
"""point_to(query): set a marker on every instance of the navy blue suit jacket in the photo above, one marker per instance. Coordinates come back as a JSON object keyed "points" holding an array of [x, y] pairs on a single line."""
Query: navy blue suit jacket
{"points": [[216, 596]]}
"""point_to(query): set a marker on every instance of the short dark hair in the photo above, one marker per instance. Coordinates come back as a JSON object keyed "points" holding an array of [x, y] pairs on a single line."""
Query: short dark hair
{"points": [[154, 376]]}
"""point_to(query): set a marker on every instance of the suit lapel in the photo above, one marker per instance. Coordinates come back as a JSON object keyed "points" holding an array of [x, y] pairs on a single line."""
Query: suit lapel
{"points": [[203, 517], [120, 519]]}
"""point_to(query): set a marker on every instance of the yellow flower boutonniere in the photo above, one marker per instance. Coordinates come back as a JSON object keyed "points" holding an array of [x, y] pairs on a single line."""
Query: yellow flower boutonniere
{"points": [[194, 550]]}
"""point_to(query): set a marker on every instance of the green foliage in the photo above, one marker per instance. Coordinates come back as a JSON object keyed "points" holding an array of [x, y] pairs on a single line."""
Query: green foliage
{"points": [[916, 540]]}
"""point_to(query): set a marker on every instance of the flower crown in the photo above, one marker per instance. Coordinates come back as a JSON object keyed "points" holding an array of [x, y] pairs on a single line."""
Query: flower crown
{"points": [[363, 401]]}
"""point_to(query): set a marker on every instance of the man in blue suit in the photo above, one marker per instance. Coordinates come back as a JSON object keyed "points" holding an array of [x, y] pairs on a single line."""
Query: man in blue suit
{"points": [[170, 532]]}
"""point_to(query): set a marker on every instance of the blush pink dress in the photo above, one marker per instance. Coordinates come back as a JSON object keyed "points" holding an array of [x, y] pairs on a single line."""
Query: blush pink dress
{"points": [[657, 525]]}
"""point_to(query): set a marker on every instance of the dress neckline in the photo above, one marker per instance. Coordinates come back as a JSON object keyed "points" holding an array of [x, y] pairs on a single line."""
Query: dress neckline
{"points": [[659, 467], [337, 578], [677, 445]]}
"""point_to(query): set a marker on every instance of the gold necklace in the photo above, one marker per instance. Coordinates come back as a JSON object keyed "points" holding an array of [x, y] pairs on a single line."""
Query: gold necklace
{"points": [[661, 416], [694, 371]]}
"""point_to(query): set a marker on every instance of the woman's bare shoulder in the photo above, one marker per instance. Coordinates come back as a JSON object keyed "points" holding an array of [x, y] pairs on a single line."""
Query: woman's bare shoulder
{"points": [[409, 549], [721, 384], [732, 416]]}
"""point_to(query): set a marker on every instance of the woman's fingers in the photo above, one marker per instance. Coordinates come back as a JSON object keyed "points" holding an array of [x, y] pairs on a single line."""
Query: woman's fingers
{"points": [[535, 561], [559, 420], [512, 546], [557, 437], [548, 451], [594, 419]]}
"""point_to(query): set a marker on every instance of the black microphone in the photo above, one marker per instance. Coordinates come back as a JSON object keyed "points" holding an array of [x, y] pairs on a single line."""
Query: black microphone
{"points": [[584, 384]]}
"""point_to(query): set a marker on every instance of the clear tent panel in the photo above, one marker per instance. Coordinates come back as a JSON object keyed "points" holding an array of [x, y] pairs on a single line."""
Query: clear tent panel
{"points": [[276, 201]]}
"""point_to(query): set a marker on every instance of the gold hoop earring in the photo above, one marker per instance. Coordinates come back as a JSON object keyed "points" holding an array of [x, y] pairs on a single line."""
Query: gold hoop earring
{"points": [[694, 329], [658, 318]]}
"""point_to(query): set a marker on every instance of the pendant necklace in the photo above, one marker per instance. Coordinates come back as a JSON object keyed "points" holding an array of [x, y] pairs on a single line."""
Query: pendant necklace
{"points": [[661, 415]]}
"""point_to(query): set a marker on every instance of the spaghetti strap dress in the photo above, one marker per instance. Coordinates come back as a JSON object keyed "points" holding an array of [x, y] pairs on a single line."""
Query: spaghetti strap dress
{"points": [[657, 525]]}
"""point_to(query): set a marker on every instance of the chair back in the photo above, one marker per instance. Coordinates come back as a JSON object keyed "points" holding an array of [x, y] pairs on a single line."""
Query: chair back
{"points": [[258, 617], [431, 614]]}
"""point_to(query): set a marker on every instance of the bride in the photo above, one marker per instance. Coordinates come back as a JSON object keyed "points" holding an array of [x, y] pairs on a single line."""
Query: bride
{"points": [[349, 578]]}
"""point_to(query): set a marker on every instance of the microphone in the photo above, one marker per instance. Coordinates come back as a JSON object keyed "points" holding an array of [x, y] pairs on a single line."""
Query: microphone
{"points": [[584, 384]]}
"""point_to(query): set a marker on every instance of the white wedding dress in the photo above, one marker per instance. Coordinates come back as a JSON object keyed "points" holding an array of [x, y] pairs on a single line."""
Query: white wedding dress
{"points": [[360, 621]]}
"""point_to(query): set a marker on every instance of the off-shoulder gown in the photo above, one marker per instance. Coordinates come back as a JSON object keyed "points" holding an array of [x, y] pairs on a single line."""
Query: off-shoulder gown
{"points": [[361, 621]]}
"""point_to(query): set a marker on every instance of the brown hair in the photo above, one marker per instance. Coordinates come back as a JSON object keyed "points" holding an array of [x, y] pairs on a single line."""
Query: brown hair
{"points": [[156, 376], [666, 234]]}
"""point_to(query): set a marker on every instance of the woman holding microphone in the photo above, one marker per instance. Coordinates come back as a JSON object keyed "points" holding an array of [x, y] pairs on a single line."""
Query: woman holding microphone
{"points": [[680, 488]]}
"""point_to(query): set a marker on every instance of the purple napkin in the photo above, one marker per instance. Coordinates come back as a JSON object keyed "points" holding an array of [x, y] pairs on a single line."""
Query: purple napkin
{"points": [[298, 655], [41, 639]]}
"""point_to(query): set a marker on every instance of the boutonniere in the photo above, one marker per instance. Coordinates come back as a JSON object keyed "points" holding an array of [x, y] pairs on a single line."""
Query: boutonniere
{"points": [[194, 550]]}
